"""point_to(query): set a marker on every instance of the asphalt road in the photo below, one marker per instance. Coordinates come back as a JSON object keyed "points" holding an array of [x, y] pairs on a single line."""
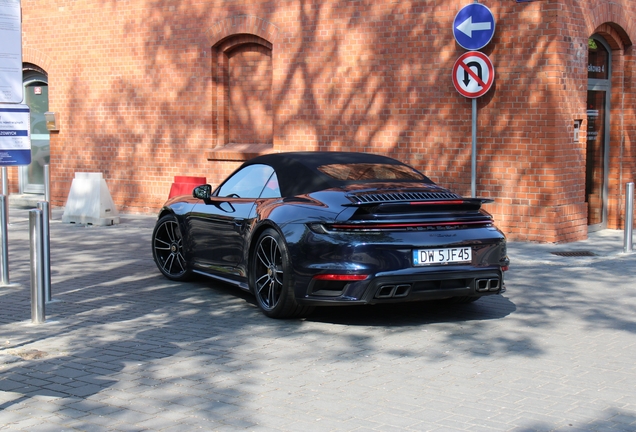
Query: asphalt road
{"points": [[124, 349]]}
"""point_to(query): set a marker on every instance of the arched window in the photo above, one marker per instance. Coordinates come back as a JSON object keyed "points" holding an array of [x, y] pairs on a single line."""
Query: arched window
{"points": [[598, 59], [243, 77]]}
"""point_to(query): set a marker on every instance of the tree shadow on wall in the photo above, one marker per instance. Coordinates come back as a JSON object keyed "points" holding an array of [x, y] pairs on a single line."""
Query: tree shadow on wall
{"points": [[367, 82]]}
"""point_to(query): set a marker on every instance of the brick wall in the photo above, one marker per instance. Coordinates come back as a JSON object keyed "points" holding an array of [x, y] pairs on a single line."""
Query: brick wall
{"points": [[147, 91]]}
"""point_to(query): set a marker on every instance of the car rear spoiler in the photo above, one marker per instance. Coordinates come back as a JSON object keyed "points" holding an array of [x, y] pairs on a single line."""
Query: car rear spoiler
{"points": [[401, 202]]}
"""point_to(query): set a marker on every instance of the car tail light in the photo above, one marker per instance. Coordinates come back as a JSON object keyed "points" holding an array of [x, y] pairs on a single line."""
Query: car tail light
{"points": [[340, 277], [398, 225], [378, 227], [333, 285]]}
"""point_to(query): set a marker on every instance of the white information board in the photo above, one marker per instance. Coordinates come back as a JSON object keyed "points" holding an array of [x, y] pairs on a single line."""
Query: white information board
{"points": [[10, 52]]}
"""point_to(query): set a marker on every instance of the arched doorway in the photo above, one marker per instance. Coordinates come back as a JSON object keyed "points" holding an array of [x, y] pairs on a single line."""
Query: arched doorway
{"points": [[36, 96], [598, 132]]}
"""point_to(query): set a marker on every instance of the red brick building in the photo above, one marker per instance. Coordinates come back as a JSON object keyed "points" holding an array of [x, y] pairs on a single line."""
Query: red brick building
{"points": [[146, 90]]}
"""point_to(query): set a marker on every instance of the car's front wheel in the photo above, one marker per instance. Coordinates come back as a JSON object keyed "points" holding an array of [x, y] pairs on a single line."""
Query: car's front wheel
{"points": [[167, 249], [270, 277]]}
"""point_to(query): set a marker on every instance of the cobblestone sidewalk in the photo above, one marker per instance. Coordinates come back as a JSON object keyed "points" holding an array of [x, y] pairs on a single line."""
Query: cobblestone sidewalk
{"points": [[124, 349]]}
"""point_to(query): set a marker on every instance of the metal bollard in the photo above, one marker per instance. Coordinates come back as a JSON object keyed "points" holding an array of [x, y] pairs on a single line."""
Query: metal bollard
{"points": [[4, 221], [47, 188], [37, 274], [46, 249], [629, 218]]}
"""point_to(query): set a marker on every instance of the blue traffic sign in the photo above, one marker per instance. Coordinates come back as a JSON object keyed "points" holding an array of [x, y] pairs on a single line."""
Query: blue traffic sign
{"points": [[474, 26]]}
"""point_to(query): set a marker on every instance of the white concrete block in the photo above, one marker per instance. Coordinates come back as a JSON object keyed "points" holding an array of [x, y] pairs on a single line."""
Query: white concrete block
{"points": [[89, 201]]}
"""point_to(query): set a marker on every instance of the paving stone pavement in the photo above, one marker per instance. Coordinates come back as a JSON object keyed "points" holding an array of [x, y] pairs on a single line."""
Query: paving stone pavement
{"points": [[124, 349]]}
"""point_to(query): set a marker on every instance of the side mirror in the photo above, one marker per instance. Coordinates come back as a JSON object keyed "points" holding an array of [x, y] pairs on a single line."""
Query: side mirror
{"points": [[202, 192]]}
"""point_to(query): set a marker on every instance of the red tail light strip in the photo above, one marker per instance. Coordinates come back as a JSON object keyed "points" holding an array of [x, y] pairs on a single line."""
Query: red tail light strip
{"points": [[340, 277], [406, 225]]}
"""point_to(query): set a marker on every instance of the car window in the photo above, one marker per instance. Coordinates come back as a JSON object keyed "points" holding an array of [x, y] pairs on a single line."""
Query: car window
{"points": [[249, 182], [371, 171], [271, 188]]}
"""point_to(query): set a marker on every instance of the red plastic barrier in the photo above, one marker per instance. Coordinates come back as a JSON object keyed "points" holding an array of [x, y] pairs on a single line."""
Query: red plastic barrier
{"points": [[183, 185]]}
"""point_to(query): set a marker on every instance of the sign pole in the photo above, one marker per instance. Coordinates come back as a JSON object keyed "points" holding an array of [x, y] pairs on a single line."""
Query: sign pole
{"points": [[5, 181], [4, 221], [629, 219], [4, 255], [473, 72], [473, 157]]}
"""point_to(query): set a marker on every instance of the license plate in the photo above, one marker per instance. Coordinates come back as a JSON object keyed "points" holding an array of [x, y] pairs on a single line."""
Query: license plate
{"points": [[442, 256]]}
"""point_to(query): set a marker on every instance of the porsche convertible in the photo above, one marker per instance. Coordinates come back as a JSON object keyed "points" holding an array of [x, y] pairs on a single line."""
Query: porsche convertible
{"points": [[306, 229]]}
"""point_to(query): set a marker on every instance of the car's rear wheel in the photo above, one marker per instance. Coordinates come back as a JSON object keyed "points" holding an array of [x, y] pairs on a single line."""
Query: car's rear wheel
{"points": [[271, 279], [167, 249]]}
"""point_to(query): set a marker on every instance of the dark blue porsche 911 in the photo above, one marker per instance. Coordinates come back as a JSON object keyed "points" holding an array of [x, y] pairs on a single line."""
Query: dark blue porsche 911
{"points": [[307, 229]]}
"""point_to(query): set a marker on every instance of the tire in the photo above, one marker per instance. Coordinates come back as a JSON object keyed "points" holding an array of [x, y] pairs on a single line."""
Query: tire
{"points": [[167, 249], [270, 277]]}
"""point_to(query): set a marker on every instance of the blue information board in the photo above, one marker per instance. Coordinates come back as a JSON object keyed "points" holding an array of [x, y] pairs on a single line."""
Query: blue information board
{"points": [[15, 137]]}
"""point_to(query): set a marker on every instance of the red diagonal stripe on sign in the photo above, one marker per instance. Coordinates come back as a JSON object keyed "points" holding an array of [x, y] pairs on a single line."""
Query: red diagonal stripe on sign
{"points": [[472, 74]]}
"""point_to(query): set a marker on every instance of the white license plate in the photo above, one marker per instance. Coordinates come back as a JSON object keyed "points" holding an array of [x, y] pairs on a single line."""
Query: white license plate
{"points": [[442, 256]]}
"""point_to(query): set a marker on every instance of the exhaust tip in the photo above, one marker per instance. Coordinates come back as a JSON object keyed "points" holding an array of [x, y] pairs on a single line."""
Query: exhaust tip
{"points": [[485, 285], [393, 291]]}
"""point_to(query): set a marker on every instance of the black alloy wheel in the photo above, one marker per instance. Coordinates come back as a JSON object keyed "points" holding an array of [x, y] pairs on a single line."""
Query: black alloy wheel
{"points": [[167, 249], [270, 277]]}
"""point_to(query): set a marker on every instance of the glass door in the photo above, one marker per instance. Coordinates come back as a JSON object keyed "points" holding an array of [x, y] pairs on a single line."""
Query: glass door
{"points": [[595, 157], [36, 96], [598, 132]]}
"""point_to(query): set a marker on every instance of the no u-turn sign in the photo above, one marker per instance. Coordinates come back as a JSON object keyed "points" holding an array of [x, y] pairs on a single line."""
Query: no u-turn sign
{"points": [[473, 74]]}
